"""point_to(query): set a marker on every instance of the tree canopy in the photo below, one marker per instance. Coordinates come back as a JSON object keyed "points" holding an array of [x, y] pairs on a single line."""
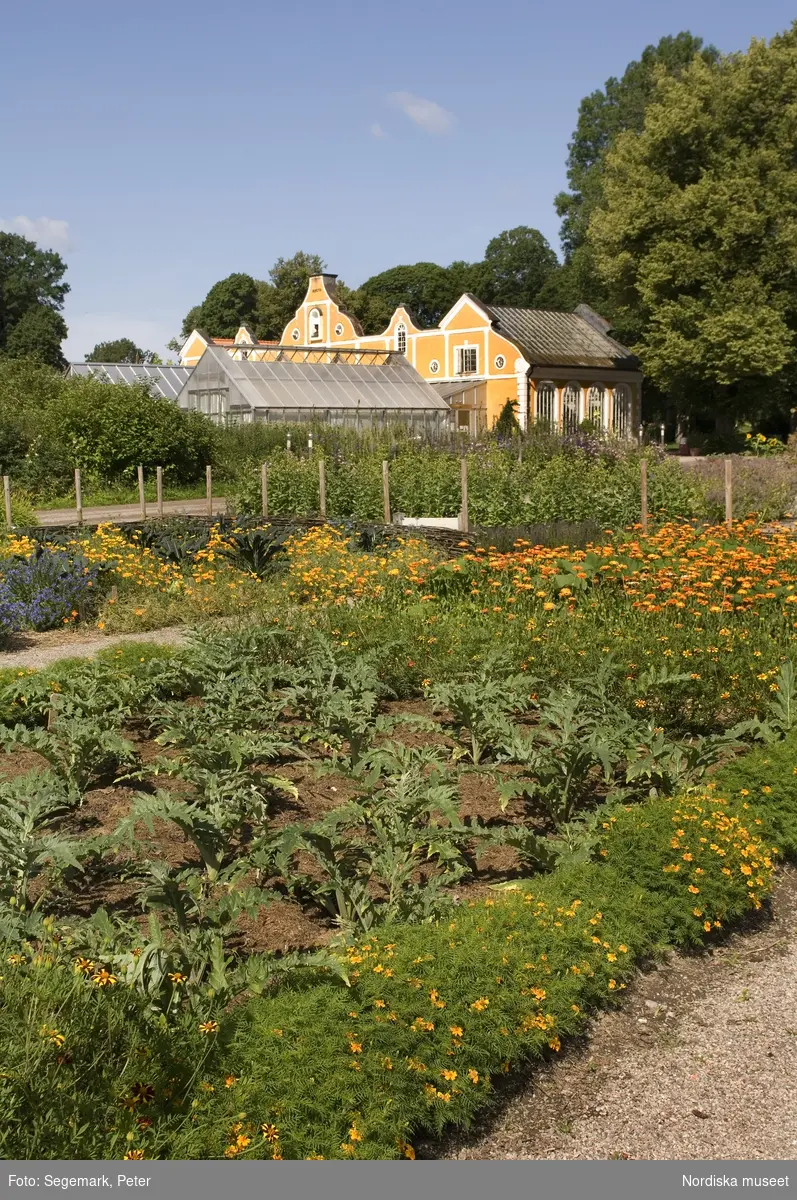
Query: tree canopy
{"points": [[32, 293], [121, 350], [696, 236], [603, 115], [516, 265], [230, 303]]}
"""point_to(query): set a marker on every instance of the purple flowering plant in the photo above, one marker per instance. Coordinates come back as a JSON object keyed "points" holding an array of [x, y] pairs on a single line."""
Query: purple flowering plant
{"points": [[43, 591]]}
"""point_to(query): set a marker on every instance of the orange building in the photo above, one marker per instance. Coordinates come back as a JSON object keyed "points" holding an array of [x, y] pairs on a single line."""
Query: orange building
{"points": [[560, 369]]}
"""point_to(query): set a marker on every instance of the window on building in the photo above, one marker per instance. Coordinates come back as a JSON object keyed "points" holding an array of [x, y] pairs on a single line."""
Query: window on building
{"points": [[546, 402], [401, 339], [467, 360], [621, 413], [596, 406], [315, 325], [571, 398]]}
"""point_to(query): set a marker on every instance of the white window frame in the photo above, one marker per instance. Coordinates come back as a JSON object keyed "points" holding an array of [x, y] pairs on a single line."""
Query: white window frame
{"points": [[459, 358], [571, 422], [314, 322], [401, 336], [622, 399], [550, 396], [596, 391]]}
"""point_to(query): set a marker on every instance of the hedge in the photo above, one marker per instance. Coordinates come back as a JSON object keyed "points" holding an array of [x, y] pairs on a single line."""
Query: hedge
{"points": [[435, 1013]]}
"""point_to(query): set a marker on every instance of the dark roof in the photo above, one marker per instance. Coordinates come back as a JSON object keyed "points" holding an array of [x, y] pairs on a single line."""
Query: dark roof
{"points": [[166, 381], [390, 383], [562, 339]]}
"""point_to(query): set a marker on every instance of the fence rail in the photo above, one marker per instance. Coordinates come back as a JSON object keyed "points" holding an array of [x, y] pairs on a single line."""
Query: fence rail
{"points": [[211, 503]]}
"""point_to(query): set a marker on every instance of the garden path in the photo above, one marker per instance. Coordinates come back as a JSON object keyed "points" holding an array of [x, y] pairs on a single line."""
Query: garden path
{"points": [[700, 1063], [35, 650], [129, 512]]}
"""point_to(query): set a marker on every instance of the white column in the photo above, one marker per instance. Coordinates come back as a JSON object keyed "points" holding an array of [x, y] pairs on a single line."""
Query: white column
{"points": [[521, 369]]}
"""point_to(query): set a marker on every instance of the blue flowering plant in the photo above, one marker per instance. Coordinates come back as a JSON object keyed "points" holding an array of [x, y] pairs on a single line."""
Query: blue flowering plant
{"points": [[47, 590]]}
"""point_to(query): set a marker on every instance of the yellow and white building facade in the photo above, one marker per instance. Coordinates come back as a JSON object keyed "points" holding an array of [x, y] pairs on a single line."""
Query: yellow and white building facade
{"points": [[561, 370]]}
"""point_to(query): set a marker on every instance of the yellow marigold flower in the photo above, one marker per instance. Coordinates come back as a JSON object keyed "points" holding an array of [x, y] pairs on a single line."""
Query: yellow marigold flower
{"points": [[209, 1027], [270, 1132], [456, 1030], [103, 978], [480, 1004], [135, 1155], [693, 889], [230, 1081], [449, 1075]]}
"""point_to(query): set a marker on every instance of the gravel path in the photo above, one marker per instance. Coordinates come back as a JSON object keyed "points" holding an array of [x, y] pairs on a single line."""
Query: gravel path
{"points": [[129, 512], [701, 1063], [40, 649]]}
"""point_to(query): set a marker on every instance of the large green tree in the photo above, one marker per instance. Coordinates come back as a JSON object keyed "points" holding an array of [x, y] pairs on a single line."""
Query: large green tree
{"points": [[230, 303], [696, 236], [425, 288], [516, 265], [121, 350], [32, 293], [604, 114], [279, 298]]}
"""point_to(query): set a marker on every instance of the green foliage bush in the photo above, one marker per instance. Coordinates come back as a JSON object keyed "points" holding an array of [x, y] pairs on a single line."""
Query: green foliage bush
{"points": [[554, 481], [50, 424]]}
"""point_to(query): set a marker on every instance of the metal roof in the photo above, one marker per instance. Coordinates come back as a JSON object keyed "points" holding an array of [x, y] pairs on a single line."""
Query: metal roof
{"points": [[453, 387], [391, 383], [166, 381], [561, 339]]}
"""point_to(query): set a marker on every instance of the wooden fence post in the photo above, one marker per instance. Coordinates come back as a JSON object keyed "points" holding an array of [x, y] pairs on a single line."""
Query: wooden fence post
{"points": [[159, 489], [209, 488], [78, 497], [643, 485], [464, 520], [7, 498], [729, 492], [322, 489], [386, 489], [264, 490], [141, 497]]}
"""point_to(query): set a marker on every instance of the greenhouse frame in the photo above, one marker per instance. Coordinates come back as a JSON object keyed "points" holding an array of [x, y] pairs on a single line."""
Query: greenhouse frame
{"points": [[350, 388]]}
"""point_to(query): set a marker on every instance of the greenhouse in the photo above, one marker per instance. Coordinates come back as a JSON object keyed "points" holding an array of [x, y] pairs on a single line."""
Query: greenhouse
{"points": [[352, 388]]}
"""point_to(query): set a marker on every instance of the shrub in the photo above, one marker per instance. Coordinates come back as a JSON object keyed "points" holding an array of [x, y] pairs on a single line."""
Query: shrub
{"points": [[45, 591]]}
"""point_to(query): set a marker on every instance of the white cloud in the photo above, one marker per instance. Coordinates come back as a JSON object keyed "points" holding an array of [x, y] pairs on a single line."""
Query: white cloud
{"points": [[86, 330], [377, 130], [430, 116], [48, 232]]}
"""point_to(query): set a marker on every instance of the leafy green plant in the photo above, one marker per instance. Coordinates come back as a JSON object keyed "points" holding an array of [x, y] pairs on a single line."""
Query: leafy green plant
{"points": [[78, 749], [385, 857], [32, 808], [482, 705]]}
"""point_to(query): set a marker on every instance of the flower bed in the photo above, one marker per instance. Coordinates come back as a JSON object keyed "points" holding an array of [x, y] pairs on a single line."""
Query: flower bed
{"points": [[434, 1015]]}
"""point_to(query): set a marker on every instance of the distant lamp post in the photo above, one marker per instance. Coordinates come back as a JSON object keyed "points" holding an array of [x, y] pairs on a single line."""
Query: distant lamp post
{"points": [[310, 442], [662, 433], [641, 433]]}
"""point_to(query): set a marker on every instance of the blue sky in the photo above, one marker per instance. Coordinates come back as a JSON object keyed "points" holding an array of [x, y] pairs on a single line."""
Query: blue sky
{"points": [[160, 146]]}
